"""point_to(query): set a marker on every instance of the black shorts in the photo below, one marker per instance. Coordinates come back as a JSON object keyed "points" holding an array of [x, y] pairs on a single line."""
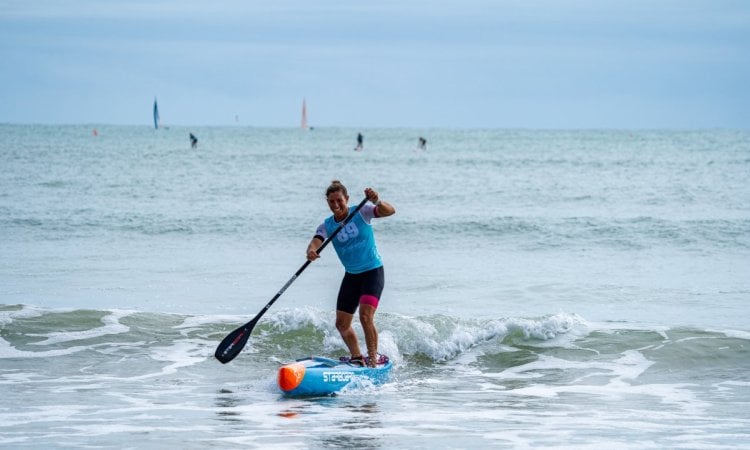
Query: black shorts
{"points": [[357, 288]]}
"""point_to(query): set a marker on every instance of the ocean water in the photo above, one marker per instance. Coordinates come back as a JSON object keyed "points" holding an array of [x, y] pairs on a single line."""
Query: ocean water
{"points": [[544, 289]]}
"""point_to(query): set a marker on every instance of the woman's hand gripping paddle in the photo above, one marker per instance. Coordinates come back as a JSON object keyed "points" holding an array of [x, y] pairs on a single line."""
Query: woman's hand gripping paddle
{"points": [[235, 341]]}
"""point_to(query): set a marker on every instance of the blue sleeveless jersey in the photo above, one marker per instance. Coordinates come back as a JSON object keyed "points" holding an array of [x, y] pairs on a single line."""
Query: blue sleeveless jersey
{"points": [[355, 244]]}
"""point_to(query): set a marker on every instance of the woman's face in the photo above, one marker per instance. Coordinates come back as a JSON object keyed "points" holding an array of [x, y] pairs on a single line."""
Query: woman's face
{"points": [[339, 204]]}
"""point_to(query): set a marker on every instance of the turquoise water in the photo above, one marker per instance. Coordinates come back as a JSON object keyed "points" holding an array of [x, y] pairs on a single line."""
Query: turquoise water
{"points": [[544, 288]]}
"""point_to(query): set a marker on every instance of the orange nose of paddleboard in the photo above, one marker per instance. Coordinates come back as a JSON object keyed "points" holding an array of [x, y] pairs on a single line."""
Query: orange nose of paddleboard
{"points": [[290, 376]]}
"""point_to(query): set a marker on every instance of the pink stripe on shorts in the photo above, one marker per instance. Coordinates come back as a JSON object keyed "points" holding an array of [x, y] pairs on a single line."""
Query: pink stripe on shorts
{"points": [[369, 300]]}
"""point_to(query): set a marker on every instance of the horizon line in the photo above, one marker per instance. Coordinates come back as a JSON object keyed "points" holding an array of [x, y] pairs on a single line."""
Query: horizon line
{"points": [[381, 127]]}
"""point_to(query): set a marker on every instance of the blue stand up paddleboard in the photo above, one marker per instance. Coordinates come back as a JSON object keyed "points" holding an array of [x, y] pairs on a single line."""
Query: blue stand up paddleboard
{"points": [[315, 376]]}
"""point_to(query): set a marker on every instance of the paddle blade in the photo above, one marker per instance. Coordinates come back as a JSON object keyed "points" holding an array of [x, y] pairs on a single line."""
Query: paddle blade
{"points": [[232, 345]]}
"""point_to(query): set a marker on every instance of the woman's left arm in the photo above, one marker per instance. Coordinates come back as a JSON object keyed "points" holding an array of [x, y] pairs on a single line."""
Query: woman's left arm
{"points": [[382, 208]]}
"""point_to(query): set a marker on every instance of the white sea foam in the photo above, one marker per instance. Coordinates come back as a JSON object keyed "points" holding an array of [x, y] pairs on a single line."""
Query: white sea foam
{"points": [[622, 375], [737, 334], [286, 319], [55, 413], [103, 429], [26, 312], [8, 351], [200, 321], [445, 339], [359, 386], [180, 354], [111, 323]]}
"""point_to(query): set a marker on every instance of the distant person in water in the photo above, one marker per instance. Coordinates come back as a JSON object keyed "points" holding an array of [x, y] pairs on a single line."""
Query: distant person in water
{"points": [[422, 143], [193, 141], [359, 142]]}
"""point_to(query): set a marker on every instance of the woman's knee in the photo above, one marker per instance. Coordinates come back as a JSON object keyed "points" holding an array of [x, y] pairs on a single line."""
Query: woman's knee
{"points": [[343, 321], [366, 315], [343, 326]]}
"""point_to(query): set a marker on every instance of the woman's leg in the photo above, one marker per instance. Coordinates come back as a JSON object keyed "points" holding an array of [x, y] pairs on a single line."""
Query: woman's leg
{"points": [[344, 325], [367, 319]]}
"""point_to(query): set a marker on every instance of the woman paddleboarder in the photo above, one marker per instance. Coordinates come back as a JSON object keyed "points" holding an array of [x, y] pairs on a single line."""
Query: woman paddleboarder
{"points": [[364, 278]]}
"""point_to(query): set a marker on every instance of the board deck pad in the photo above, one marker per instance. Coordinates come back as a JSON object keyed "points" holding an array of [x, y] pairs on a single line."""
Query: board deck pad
{"points": [[382, 359]]}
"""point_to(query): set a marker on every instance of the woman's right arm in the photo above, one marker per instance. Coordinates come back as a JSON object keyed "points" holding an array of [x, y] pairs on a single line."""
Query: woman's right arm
{"points": [[312, 248]]}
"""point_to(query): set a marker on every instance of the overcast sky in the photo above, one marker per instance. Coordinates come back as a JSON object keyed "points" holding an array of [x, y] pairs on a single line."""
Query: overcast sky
{"points": [[464, 63]]}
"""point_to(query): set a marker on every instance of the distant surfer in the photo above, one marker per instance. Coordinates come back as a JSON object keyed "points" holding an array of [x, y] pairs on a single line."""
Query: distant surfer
{"points": [[422, 143], [193, 141], [359, 142], [364, 277]]}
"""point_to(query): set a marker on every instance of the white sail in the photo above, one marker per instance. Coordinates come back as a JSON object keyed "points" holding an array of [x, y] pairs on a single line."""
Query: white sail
{"points": [[304, 115]]}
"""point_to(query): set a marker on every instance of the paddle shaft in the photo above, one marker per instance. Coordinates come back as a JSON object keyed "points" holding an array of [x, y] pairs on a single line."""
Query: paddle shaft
{"points": [[234, 342]]}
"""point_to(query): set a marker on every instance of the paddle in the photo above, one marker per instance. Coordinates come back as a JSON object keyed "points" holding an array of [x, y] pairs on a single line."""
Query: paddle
{"points": [[235, 341]]}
